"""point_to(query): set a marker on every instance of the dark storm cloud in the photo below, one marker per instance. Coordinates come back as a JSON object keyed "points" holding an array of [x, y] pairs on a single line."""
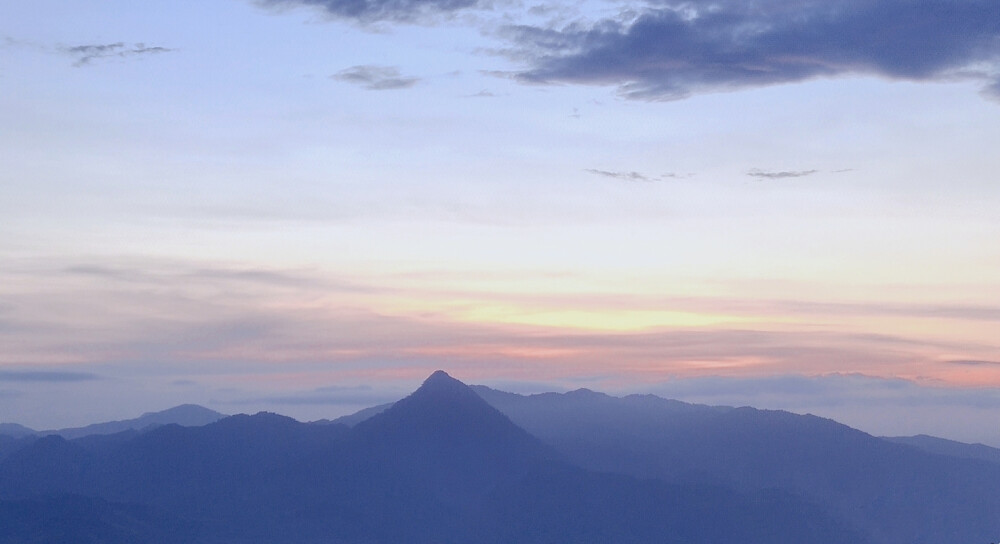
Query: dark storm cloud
{"points": [[382, 10], [782, 174], [85, 54], [671, 49], [45, 376], [375, 78]]}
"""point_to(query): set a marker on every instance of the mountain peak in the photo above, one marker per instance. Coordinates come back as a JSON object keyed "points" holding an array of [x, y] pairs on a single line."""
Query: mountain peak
{"points": [[445, 392], [440, 382], [447, 433], [438, 375], [444, 410]]}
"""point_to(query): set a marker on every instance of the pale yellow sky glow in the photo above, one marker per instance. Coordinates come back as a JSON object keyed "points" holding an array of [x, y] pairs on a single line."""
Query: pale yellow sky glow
{"points": [[102, 314]]}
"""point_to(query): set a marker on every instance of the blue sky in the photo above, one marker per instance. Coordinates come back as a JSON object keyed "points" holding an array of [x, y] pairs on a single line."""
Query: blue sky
{"points": [[242, 203]]}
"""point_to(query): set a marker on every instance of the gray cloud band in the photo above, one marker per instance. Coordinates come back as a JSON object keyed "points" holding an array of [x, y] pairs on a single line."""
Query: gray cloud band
{"points": [[673, 50], [375, 78], [381, 10], [85, 54], [45, 376]]}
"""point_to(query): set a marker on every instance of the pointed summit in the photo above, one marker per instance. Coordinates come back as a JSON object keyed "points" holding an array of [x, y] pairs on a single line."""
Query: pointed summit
{"points": [[445, 412], [448, 435], [439, 386], [441, 406], [439, 375], [440, 380]]}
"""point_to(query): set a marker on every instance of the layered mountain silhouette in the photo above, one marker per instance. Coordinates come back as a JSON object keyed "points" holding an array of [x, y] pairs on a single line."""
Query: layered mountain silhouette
{"points": [[13, 430], [892, 492], [188, 415], [441, 465], [941, 446], [457, 464]]}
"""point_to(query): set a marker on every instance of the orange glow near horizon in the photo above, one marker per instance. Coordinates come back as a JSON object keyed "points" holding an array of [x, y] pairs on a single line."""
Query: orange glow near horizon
{"points": [[644, 333]]}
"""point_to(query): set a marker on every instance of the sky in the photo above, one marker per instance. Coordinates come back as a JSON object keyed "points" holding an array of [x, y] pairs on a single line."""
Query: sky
{"points": [[307, 206]]}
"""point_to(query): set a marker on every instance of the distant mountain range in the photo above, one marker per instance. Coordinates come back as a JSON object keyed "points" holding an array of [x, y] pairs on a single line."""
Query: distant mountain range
{"points": [[951, 448], [453, 463], [187, 415]]}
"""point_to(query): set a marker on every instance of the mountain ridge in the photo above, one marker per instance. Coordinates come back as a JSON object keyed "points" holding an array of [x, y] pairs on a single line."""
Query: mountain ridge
{"points": [[441, 465], [951, 448], [452, 462], [900, 487]]}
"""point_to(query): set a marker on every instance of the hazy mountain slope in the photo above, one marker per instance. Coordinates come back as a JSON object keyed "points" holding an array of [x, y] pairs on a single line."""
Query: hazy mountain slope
{"points": [[45, 466], [14, 430], [361, 415], [14, 437], [81, 520], [439, 466], [563, 504], [895, 492], [187, 415], [941, 446], [602, 432], [509, 487], [9, 444]]}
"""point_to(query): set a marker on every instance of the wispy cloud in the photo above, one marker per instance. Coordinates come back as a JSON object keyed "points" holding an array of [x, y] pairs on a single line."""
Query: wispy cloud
{"points": [[10, 42], [482, 94], [773, 307], [782, 174], [632, 175], [671, 50], [45, 376], [624, 176], [968, 362], [675, 175], [163, 317], [369, 11], [375, 78], [218, 275], [86, 54]]}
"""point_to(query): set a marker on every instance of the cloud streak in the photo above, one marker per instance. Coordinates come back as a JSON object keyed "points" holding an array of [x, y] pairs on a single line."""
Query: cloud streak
{"points": [[45, 376], [632, 175], [375, 78], [784, 174], [968, 362], [624, 176], [86, 54], [369, 11], [672, 50], [169, 318]]}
